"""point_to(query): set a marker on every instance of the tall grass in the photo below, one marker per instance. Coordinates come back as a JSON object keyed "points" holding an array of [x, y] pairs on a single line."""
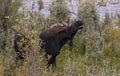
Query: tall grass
{"points": [[95, 51]]}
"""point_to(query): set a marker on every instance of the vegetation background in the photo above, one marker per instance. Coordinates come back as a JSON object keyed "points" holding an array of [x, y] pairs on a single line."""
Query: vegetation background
{"points": [[96, 50]]}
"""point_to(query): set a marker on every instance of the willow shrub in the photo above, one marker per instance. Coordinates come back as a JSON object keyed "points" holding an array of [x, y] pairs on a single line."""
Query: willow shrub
{"points": [[59, 11]]}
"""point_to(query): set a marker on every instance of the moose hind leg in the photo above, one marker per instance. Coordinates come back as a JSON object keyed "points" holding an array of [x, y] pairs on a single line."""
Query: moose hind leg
{"points": [[51, 61]]}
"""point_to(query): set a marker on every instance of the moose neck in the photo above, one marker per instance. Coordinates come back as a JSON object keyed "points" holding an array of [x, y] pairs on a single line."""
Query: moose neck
{"points": [[72, 29]]}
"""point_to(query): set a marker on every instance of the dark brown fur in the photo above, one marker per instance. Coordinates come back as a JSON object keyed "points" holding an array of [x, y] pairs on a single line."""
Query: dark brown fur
{"points": [[54, 38]]}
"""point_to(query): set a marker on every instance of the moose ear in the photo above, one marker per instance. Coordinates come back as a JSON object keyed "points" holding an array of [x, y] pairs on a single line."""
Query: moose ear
{"points": [[81, 22]]}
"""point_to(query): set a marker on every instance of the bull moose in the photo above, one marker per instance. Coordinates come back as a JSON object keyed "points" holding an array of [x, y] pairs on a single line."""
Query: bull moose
{"points": [[54, 39]]}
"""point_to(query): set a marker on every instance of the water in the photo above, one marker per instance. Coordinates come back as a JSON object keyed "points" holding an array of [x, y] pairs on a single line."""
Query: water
{"points": [[111, 9]]}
